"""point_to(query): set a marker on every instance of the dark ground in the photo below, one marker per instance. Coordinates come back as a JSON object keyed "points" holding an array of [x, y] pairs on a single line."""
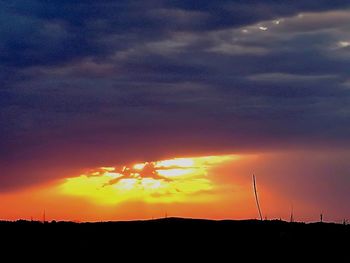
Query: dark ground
{"points": [[176, 236]]}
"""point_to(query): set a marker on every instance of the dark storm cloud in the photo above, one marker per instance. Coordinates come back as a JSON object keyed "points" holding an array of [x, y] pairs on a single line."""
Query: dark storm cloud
{"points": [[96, 82]]}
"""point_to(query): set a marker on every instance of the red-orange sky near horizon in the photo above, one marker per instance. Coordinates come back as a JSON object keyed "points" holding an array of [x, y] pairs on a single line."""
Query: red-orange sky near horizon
{"points": [[215, 187]]}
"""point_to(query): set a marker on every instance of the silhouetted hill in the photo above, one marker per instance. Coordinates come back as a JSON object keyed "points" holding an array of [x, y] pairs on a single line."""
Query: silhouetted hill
{"points": [[177, 235]]}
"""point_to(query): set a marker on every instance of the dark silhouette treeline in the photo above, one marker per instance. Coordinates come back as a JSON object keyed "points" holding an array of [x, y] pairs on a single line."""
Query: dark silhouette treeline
{"points": [[177, 235]]}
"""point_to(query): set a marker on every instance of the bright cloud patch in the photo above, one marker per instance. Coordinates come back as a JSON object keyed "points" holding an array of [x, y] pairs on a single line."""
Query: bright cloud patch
{"points": [[173, 180]]}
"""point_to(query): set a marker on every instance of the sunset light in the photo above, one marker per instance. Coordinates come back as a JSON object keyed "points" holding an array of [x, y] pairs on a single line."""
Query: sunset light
{"points": [[130, 110], [164, 181]]}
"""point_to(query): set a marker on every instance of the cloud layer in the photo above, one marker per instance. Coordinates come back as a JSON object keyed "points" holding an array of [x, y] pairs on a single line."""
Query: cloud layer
{"points": [[117, 81]]}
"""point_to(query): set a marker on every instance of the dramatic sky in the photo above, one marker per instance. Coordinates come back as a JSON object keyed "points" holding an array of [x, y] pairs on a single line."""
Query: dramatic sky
{"points": [[244, 86]]}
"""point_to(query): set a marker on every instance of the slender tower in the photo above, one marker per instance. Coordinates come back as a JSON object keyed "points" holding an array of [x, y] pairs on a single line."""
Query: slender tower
{"points": [[256, 198], [292, 214]]}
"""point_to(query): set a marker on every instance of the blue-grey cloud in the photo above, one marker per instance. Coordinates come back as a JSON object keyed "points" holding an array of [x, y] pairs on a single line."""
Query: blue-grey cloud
{"points": [[103, 81]]}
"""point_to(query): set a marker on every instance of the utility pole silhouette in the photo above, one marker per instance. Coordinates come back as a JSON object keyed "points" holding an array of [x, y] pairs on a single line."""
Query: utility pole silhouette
{"points": [[321, 218], [257, 198], [292, 214]]}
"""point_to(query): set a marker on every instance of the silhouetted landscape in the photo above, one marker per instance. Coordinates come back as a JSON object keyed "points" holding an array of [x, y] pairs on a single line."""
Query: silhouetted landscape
{"points": [[175, 233], [121, 110]]}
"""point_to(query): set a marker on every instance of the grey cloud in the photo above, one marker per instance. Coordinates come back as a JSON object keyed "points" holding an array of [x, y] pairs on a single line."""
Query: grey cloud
{"points": [[285, 77], [121, 79]]}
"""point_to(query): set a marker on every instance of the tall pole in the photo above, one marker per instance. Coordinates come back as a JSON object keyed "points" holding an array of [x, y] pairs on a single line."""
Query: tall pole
{"points": [[256, 197]]}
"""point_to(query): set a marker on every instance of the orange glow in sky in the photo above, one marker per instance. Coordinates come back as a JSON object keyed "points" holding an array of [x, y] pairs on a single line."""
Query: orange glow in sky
{"points": [[215, 186], [165, 181]]}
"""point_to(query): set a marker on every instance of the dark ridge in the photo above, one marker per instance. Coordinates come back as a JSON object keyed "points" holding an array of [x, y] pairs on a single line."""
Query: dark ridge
{"points": [[176, 235]]}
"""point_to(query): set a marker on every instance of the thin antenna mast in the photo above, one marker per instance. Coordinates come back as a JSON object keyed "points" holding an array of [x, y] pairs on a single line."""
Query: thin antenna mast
{"points": [[256, 198]]}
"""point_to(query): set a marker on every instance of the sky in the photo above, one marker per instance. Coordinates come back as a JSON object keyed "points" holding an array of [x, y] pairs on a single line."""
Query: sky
{"points": [[262, 86]]}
